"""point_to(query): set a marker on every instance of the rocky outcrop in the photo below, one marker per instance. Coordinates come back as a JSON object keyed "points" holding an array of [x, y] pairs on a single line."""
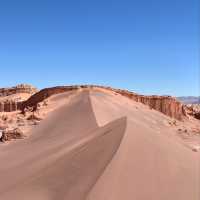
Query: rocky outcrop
{"points": [[8, 103], [193, 110], [10, 106], [43, 94], [165, 104], [22, 88], [8, 135]]}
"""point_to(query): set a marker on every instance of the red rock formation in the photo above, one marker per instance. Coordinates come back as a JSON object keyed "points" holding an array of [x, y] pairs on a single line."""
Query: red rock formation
{"points": [[43, 94], [22, 88], [8, 104], [165, 104], [193, 110], [8, 135]]}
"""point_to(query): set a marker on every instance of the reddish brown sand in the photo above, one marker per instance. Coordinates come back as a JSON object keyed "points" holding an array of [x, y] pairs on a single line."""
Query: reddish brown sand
{"points": [[100, 146]]}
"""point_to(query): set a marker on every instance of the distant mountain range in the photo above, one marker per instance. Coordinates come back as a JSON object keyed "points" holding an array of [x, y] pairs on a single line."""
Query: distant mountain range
{"points": [[189, 99]]}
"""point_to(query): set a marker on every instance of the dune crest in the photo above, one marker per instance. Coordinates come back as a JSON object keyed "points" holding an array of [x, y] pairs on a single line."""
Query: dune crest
{"points": [[168, 105], [97, 144], [60, 164]]}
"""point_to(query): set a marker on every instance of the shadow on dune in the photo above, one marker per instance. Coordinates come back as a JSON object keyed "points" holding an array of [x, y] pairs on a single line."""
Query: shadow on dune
{"points": [[63, 157]]}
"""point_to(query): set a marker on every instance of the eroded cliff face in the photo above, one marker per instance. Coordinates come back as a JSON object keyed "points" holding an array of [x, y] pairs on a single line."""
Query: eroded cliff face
{"points": [[22, 88], [10, 106], [44, 94], [11, 98], [165, 104]]}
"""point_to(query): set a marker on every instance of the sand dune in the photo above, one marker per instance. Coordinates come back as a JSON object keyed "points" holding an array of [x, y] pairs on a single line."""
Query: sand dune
{"points": [[151, 163], [99, 146]]}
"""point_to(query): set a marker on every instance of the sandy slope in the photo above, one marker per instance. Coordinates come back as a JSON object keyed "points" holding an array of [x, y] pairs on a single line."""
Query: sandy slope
{"points": [[83, 150], [151, 163]]}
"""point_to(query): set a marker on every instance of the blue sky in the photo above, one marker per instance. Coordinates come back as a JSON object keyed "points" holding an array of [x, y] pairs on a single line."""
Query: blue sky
{"points": [[147, 46]]}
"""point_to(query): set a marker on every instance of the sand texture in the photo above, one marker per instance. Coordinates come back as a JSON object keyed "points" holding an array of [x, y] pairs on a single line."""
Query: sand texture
{"points": [[96, 145]]}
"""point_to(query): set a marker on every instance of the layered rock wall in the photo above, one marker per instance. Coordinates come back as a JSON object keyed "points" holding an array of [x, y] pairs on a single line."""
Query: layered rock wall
{"points": [[22, 88], [165, 104], [10, 106], [43, 94], [8, 103]]}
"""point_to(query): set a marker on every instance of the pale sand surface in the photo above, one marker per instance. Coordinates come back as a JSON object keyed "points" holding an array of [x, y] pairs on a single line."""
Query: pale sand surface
{"points": [[99, 146], [151, 163]]}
